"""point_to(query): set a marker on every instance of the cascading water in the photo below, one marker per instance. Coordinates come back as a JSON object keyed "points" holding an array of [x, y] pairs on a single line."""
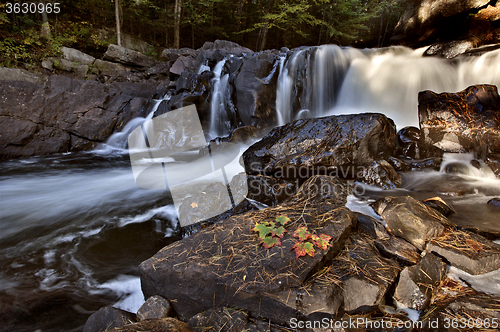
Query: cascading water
{"points": [[220, 124], [346, 80]]}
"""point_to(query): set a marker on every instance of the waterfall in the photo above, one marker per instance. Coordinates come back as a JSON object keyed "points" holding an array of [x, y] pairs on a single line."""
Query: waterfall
{"points": [[328, 80], [220, 124], [119, 140]]}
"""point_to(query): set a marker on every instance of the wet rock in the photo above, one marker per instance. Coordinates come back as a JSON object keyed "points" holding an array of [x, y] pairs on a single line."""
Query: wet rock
{"points": [[255, 95], [427, 163], [371, 227], [365, 276], [155, 307], [478, 51], [410, 219], [76, 56], [220, 320], [156, 325], [467, 251], [268, 190], [494, 202], [224, 264], [107, 318], [493, 162], [15, 74], [326, 144], [416, 283], [450, 49], [398, 249], [409, 143], [439, 205], [127, 56], [381, 174], [466, 121], [399, 165]]}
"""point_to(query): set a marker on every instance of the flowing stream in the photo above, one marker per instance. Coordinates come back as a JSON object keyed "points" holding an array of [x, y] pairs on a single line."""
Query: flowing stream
{"points": [[74, 227]]}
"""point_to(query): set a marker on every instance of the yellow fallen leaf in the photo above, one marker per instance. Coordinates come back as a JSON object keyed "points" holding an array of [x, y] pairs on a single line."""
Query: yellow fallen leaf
{"points": [[194, 205]]}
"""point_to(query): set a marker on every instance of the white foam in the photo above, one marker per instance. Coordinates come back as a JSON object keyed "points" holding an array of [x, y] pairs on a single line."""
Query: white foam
{"points": [[413, 314], [356, 204], [167, 212]]}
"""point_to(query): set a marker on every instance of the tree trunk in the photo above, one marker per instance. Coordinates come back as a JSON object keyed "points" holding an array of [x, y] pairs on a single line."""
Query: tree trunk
{"points": [[177, 22], [264, 29], [117, 17], [45, 24]]}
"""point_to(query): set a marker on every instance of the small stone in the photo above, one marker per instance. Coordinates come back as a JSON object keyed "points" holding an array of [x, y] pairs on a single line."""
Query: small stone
{"points": [[155, 307], [494, 202], [107, 318]]}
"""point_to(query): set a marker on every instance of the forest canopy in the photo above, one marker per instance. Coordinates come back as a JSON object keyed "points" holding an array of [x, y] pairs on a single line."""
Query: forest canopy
{"points": [[256, 24]]}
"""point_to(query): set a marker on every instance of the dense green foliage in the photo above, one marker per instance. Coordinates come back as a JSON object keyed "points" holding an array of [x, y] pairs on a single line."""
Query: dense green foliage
{"points": [[252, 23]]}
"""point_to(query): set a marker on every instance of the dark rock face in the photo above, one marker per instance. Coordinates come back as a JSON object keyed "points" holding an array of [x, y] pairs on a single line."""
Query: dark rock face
{"points": [[467, 251], [226, 264], [410, 219], [65, 114], [381, 174], [424, 21], [254, 91], [415, 285], [107, 318], [164, 324], [467, 121], [329, 145], [409, 143], [155, 307]]}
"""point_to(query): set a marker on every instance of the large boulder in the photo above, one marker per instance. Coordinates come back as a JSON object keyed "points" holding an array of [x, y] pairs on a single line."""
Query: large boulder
{"points": [[65, 114], [335, 145], [76, 56], [107, 318], [225, 265], [466, 121], [424, 21]]}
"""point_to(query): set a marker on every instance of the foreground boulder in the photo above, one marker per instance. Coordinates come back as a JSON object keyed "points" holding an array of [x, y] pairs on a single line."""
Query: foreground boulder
{"points": [[225, 265], [410, 219], [335, 145], [466, 121]]}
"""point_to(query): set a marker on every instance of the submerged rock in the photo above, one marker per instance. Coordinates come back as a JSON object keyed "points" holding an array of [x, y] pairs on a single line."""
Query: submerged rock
{"points": [[410, 219], [467, 251], [330, 145], [466, 121]]}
